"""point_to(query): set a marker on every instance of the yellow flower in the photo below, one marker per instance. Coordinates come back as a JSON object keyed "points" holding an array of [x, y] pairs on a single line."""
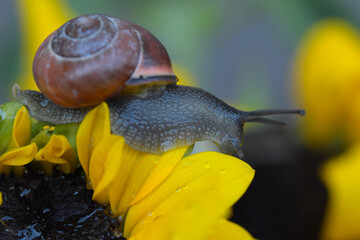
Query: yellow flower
{"points": [[327, 82], [152, 191], [57, 151], [1, 198], [19, 151], [38, 19], [341, 176], [327, 78]]}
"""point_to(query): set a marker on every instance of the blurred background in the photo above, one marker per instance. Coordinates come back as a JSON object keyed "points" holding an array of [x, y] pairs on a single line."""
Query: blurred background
{"points": [[253, 54]]}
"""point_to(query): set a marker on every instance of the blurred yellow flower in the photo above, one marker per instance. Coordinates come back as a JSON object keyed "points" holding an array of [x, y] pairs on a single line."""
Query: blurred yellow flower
{"points": [[19, 151], [184, 75], [1, 198], [342, 178], [327, 82], [148, 190], [38, 19], [57, 151]]}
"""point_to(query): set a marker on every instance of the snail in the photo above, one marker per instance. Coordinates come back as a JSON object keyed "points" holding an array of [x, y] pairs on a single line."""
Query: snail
{"points": [[95, 58]]}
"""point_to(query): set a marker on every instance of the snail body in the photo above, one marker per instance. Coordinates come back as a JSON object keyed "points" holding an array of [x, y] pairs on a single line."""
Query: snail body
{"points": [[165, 118], [147, 108]]}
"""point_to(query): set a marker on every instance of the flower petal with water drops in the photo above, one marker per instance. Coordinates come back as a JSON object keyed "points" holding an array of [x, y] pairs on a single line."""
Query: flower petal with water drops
{"points": [[224, 175], [164, 165], [94, 127], [197, 217], [140, 174]]}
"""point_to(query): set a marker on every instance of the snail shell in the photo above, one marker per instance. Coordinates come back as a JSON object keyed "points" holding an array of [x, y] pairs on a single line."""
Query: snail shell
{"points": [[93, 57]]}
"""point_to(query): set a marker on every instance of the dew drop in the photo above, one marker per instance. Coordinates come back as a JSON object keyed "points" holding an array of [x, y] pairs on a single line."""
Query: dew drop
{"points": [[46, 210], [178, 189]]}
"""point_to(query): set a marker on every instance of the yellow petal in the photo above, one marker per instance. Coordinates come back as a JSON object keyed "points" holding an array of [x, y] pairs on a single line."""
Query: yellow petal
{"points": [[163, 167], [94, 127], [135, 167], [227, 230], [1, 198], [104, 165], [195, 218], [122, 175], [19, 156], [224, 175], [326, 74], [341, 177], [21, 131], [38, 19], [58, 151]]}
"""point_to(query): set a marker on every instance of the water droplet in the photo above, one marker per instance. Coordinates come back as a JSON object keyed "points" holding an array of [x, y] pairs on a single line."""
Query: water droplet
{"points": [[7, 218], [46, 210], [143, 221], [186, 187], [223, 171], [151, 213], [25, 192], [178, 189], [207, 166]]}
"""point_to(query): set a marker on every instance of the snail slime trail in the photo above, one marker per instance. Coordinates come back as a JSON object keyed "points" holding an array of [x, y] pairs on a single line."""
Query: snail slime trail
{"points": [[113, 60]]}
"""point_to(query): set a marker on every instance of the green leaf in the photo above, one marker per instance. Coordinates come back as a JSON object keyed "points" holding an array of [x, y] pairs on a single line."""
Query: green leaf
{"points": [[69, 131], [42, 138], [189, 151], [37, 127], [7, 116]]}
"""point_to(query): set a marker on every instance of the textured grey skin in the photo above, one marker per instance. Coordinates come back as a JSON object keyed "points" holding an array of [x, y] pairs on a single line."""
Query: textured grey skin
{"points": [[175, 116], [41, 108], [162, 118]]}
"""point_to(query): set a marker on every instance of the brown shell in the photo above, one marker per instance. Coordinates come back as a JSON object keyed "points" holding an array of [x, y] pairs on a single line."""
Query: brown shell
{"points": [[93, 57]]}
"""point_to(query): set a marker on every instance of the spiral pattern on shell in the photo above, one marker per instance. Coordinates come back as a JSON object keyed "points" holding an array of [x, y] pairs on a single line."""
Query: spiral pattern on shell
{"points": [[92, 57]]}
